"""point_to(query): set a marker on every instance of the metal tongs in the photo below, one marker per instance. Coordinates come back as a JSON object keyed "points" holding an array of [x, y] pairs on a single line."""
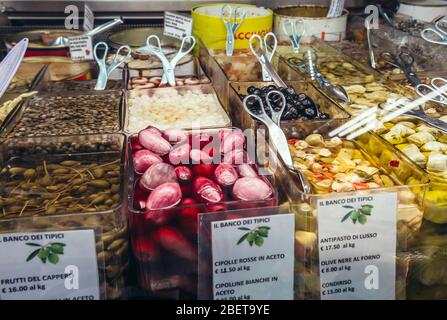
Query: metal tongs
{"points": [[372, 59], [230, 19], [294, 29], [424, 90], [309, 66], [264, 47], [63, 41], [262, 54], [404, 61], [169, 66], [104, 71], [417, 113], [438, 31], [276, 135]]}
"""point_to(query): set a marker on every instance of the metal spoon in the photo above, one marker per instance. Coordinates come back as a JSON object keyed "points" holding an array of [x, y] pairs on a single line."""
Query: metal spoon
{"points": [[63, 40]]}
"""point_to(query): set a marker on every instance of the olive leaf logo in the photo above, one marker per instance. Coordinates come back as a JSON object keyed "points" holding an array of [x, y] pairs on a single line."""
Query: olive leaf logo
{"points": [[359, 215], [49, 252], [255, 236]]}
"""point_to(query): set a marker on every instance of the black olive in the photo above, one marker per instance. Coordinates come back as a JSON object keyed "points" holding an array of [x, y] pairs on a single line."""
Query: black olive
{"points": [[271, 87], [325, 116], [310, 113], [251, 90], [290, 90]]}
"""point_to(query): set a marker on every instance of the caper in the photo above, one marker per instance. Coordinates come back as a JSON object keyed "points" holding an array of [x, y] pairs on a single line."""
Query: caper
{"points": [[98, 173], [82, 189], [60, 171], [70, 163], [46, 180], [51, 210], [98, 199], [116, 197], [30, 173], [115, 188], [16, 170], [103, 184], [109, 202]]}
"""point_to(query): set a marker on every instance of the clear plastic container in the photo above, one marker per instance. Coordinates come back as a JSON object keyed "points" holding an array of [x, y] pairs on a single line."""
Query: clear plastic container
{"points": [[172, 271], [410, 184], [178, 114], [242, 66], [67, 113], [429, 57], [30, 204], [244, 120]]}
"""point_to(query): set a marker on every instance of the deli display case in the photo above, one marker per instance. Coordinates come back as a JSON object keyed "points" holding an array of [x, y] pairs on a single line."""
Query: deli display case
{"points": [[285, 170]]}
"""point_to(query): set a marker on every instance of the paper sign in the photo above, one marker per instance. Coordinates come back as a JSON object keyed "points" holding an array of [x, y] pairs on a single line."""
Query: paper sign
{"points": [[81, 48], [336, 8], [49, 265], [357, 246], [177, 25], [89, 18], [253, 258]]}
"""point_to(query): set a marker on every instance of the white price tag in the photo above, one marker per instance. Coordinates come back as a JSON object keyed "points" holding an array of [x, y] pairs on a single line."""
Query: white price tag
{"points": [[336, 8], [357, 246], [49, 265], [177, 25], [89, 18], [81, 48], [253, 258]]}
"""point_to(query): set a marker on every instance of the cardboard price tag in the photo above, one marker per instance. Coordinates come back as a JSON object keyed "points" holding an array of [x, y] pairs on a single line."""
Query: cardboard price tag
{"points": [[177, 25], [81, 48]]}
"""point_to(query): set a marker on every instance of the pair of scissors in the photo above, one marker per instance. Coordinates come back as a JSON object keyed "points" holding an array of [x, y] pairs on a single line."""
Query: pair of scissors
{"points": [[104, 71], [438, 34], [276, 135], [441, 97], [404, 61], [230, 19], [264, 47], [294, 29], [169, 66]]}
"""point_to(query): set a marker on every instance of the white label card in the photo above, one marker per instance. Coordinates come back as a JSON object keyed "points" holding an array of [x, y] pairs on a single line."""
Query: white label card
{"points": [[253, 258], [49, 265], [81, 48], [357, 246], [177, 25], [336, 8], [89, 18]]}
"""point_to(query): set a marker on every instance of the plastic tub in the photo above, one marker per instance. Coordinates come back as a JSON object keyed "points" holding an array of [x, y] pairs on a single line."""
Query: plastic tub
{"points": [[408, 179], [315, 21], [23, 197], [173, 272], [136, 121], [245, 121]]}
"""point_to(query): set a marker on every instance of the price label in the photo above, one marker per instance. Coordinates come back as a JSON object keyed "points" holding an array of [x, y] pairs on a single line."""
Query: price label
{"points": [[177, 25], [357, 246], [253, 258], [81, 48], [336, 8], [89, 18], [49, 265]]}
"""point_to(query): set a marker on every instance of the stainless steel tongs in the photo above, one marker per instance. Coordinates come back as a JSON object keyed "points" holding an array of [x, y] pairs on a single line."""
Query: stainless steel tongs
{"points": [[276, 135], [309, 66]]}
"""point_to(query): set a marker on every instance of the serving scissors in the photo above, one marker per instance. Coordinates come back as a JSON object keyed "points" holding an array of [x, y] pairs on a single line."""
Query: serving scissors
{"points": [[404, 61], [424, 90], [438, 32], [264, 47], [169, 66], [104, 70], [276, 135], [230, 19], [294, 29]]}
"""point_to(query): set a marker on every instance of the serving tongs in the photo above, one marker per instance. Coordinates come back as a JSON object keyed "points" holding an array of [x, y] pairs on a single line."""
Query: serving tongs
{"points": [[309, 66], [417, 112], [232, 19], [63, 41], [276, 135], [434, 92], [372, 59], [404, 61], [262, 54], [438, 34]]}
